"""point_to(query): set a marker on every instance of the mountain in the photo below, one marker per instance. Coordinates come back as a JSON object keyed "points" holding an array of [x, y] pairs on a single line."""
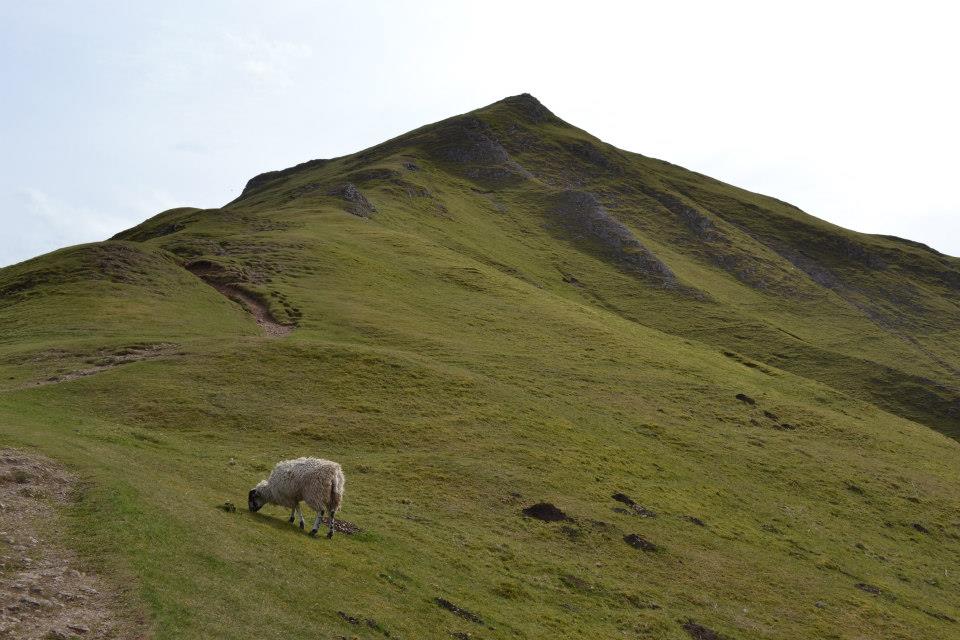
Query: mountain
{"points": [[738, 420]]}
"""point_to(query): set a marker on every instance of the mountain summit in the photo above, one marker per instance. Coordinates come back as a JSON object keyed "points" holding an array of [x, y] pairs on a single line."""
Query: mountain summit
{"points": [[820, 301], [575, 391]]}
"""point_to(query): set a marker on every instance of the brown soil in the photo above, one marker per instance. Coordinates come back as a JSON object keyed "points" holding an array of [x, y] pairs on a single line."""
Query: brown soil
{"points": [[638, 542], [111, 360], [545, 511], [357, 620], [343, 526], [463, 613], [257, 308], [45, 591], [700, 632], [635, 508]]}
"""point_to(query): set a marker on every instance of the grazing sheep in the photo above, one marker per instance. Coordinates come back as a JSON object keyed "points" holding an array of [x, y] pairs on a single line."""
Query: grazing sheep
{"points": [[317, 482]]}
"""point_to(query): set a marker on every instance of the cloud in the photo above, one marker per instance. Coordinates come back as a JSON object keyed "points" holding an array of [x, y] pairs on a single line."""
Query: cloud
{"points": [[66, 220], [264, 59], [36, 222]]}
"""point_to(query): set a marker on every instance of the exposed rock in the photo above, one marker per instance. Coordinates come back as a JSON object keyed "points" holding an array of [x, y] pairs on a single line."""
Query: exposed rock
{"points": [[638, 542], [463, 613], [468, 140], [357, 203], [470, 146], [582, 216], [814, 270], [258, 182], [529, 108], [583, 211]]}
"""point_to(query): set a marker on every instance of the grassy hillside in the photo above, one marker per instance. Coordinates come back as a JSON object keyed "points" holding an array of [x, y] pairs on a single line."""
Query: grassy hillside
{"points": [[490, 312]]}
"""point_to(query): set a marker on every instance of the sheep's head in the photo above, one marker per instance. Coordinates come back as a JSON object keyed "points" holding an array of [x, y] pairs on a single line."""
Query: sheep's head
{"points": [[255, 499]]}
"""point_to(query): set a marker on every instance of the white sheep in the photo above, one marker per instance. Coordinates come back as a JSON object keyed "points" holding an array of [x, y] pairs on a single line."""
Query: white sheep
{"points": [[315, 481]]}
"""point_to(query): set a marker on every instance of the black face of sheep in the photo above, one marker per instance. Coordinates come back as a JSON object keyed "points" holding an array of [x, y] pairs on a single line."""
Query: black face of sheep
{"points": [[254, 501]]}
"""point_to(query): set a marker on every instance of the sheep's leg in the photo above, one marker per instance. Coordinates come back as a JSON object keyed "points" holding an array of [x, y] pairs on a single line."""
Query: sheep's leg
{"points": [[293, 512], [300, 513], [330, 533], [316, 523]]}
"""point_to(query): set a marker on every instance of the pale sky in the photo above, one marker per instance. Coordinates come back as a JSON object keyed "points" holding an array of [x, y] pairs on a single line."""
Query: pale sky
{"points": [[113, 111]]}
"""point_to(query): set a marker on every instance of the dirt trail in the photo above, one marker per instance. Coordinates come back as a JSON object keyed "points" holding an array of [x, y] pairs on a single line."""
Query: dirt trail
{"points": [[45, 591], [256, 308], [108, 360], [213, 276]]}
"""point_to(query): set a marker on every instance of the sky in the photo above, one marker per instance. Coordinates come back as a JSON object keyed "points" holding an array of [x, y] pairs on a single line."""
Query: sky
{"points": [[111, 112]]}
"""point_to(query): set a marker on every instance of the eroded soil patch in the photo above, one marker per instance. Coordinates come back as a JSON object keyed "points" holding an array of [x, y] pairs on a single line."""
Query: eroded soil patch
{"points": [[638, 542], [348, 528], [545, 511], [212, 276], [460, 611], [699, 632], [108, 359], [634, 508], [45, 591]]}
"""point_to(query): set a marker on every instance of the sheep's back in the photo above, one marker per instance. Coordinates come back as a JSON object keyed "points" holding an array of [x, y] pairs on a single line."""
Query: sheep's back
{"points": [[308, 479]]}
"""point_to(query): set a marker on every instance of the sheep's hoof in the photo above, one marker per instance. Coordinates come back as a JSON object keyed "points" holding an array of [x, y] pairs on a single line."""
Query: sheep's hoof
{"points": [[329, 534], [291, 519], [313, 532], [301, 526]]}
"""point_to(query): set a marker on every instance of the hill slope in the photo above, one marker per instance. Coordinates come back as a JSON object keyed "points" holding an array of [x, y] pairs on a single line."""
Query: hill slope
{"points": [[486, 313]]}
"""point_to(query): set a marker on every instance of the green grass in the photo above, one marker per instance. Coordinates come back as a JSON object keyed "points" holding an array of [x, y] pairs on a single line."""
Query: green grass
{"points": [[443, 360]]}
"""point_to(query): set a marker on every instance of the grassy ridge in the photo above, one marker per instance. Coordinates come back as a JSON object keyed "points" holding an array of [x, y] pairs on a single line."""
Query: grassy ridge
{"points": [[466, 347]]}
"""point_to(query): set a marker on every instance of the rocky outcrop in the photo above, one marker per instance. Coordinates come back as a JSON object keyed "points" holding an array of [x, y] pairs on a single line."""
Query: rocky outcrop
{"points": [[356, 202], [469, 146], [258, 182], [585, 221]]}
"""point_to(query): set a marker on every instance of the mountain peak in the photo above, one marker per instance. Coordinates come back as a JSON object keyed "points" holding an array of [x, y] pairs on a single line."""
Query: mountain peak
{"points": [[525, 106]]}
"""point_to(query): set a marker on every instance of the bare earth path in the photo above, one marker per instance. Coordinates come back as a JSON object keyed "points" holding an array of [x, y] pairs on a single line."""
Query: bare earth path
{"points": [[45, 592], [259, 311]]}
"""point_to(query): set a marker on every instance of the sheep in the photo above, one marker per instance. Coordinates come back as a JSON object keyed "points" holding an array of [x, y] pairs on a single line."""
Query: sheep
{"points": [[317, 482]]}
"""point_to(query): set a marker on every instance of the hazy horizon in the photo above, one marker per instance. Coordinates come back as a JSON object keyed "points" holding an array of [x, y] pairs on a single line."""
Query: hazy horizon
{"points": [[115, 113]]}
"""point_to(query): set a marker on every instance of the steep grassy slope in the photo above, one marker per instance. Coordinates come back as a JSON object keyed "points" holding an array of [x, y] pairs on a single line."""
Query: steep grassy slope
{"points": [[490, 312]]}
